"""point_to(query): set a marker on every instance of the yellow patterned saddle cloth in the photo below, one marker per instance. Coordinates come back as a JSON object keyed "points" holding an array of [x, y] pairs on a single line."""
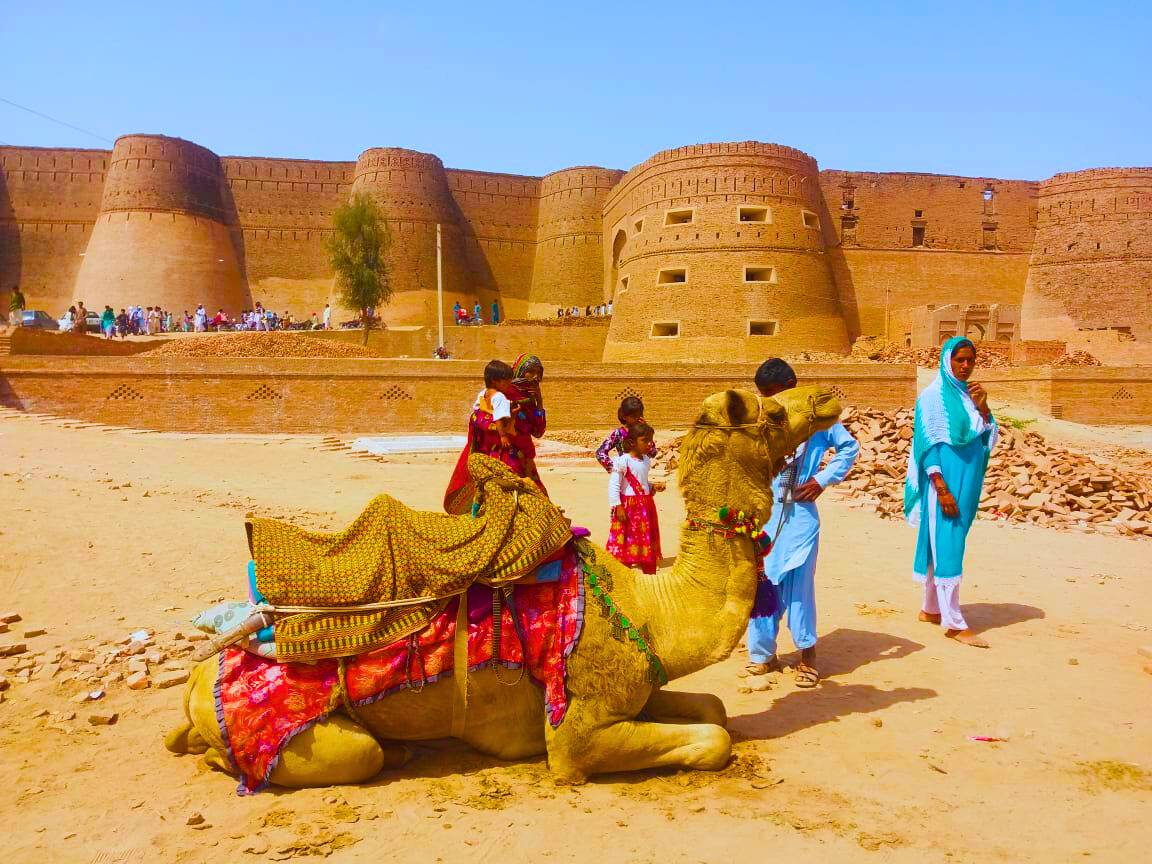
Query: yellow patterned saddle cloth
{"points": [[390, 553]]}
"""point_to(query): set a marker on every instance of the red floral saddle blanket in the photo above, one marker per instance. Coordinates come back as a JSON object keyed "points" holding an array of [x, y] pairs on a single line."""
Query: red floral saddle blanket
{"points": [[261, 705]]}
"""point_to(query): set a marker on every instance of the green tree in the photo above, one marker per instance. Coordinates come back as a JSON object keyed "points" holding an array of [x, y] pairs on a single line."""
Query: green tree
{"points": [[357, 250]]}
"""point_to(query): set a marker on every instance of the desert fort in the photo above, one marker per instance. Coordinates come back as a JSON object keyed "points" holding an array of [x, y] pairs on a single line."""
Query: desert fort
{"points": [[133, 464], [726, 251]]}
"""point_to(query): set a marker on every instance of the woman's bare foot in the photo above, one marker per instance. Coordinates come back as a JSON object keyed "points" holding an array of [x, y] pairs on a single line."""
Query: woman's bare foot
{"points": [[966, 637], [929, 617]]}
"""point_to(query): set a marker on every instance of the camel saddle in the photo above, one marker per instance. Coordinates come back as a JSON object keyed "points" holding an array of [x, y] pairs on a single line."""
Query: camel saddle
{"points": [[392, 553]]}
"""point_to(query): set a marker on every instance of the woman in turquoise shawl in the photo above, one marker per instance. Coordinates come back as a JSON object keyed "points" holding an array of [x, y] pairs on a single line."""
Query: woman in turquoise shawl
{"points": [[954, 434]]}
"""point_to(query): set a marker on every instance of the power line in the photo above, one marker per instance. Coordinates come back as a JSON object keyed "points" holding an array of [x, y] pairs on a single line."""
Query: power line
{"points": [[54, 120]]}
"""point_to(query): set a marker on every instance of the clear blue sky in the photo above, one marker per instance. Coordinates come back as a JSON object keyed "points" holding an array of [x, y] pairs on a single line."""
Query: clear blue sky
{"points": [[1014, 90]]}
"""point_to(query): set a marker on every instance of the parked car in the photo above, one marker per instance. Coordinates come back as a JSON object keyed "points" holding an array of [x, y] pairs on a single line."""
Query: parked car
{"points": [[38, 319], [92, 323]]}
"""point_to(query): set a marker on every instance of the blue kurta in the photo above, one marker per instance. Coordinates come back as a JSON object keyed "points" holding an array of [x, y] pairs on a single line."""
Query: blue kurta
{"points": [[940, 540], [796, 541], [791, 564]]}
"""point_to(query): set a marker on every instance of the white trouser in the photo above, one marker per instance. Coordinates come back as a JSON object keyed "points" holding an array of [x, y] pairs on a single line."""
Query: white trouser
{"points": [[943, 598]]}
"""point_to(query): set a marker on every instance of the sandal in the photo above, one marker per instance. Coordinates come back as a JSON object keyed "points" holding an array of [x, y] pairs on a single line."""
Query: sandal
{"points": [[806, 676], [752, 670]]}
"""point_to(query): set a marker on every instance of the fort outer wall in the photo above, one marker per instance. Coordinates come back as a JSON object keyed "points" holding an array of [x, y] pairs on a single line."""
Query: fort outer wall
{"points": [[368, 396], [891, 241], [49, 202], [164, 233], [716, 252], [568, 268], [283, 216], [975, 238], [1092, 259]]}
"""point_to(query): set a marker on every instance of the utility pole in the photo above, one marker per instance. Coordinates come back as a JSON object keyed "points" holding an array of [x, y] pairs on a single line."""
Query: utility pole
{"points": [[439, 291]]}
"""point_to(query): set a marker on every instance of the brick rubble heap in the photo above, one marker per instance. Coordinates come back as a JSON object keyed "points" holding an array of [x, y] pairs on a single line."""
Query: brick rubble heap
{"points": [[1029, 479]]}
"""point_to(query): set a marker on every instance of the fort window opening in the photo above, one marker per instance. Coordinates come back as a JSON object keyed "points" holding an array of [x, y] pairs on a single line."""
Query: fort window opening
{"points": [[638, 225], [679, 217], [753, 214], [917, 235], [665, 330], [759, 274], [623, 284], [918, 214], [672, 276], [811, 220], [762, 328]]}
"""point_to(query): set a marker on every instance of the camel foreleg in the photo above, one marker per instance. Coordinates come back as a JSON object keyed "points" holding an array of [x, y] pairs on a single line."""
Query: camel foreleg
{"points": [[577, 752], [670, 706]]}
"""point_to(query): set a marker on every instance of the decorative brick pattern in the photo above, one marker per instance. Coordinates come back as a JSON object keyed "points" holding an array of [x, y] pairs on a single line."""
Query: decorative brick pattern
{"points": [[125, 391]]}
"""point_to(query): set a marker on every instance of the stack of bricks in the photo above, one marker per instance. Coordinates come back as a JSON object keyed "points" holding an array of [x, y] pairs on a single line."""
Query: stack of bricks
{"points": [[1029, 480]]}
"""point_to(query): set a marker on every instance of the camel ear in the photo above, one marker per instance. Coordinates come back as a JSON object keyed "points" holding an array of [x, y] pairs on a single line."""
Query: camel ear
{"points": [[772, 411]]}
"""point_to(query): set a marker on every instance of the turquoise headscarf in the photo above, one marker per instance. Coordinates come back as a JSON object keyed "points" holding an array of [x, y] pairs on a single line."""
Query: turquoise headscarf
{"points": [[945, 414]]}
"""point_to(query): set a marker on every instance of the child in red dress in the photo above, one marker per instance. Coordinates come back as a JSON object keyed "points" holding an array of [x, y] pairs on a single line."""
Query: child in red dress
{"points": [[634, 538]]}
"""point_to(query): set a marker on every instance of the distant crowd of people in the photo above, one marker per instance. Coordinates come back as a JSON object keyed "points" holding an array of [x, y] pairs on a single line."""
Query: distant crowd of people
{"points": [[604, 310], [462, 318], [155, 320]]}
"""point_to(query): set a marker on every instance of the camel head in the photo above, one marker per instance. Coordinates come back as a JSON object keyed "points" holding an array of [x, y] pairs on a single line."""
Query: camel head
{"points": [[739, 442]]}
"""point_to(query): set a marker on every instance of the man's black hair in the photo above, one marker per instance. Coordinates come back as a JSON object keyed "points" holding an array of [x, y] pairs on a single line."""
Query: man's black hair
{"points": [[775, 373], [496, 370]]}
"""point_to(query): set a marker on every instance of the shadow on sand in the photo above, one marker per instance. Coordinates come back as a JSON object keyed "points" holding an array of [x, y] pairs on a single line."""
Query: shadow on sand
{"points": [[983, 617], [841, 652]]}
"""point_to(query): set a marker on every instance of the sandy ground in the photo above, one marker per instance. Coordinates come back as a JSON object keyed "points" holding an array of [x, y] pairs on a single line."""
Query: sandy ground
{"points": [[876, 764]]}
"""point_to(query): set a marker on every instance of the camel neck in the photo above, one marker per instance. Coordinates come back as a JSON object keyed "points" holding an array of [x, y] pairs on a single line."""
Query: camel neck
{"points": [[698, 611]]}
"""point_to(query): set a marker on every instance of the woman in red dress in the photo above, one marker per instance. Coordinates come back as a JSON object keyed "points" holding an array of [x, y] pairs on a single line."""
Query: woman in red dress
{"points": [[518, 395]]}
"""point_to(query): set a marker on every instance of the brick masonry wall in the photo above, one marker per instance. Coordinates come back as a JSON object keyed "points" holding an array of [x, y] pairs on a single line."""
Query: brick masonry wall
{"points": [[953, 210], [873, 281], [569, 251], [49, 200], [1092, 260], [1103, 395], [534, 242], [1096, 395], [382, 396], [712, 308], [498, 213], [584, 344], [164, 232], [26, 340]]}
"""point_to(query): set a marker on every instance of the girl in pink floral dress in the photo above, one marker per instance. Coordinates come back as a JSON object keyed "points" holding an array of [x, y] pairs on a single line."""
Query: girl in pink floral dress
{"points": [[634, 538]]}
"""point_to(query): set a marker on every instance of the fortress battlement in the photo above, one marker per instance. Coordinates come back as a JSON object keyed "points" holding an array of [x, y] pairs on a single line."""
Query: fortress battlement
{"points": [[716, 250]]}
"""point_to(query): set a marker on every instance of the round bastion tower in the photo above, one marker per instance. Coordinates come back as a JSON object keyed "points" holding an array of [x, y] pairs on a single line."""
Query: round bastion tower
{"points": [[1091, 263], [716, 252], [164, 232], [569, 248], [412, 191]]}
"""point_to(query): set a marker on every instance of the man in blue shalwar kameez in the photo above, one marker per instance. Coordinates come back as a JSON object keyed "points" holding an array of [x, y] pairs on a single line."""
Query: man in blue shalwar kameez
{"points": [[794, 528]]}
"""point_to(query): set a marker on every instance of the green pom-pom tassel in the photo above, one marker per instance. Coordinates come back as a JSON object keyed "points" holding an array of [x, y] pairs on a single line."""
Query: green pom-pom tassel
{"points": [[624, 622], [475, 509], [724, 514]]}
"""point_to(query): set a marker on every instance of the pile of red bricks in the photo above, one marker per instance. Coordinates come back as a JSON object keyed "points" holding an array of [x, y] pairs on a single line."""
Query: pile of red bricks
{"points": [[257, 344], [1029, 480]]}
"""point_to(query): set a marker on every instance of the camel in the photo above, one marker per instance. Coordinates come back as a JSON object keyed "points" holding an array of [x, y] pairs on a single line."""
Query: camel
{"points": [[618, 718]]}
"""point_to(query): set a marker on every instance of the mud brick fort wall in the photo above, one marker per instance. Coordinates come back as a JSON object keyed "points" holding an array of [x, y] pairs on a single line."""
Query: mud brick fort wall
{"points": [[718, 252], [381, 396]]}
